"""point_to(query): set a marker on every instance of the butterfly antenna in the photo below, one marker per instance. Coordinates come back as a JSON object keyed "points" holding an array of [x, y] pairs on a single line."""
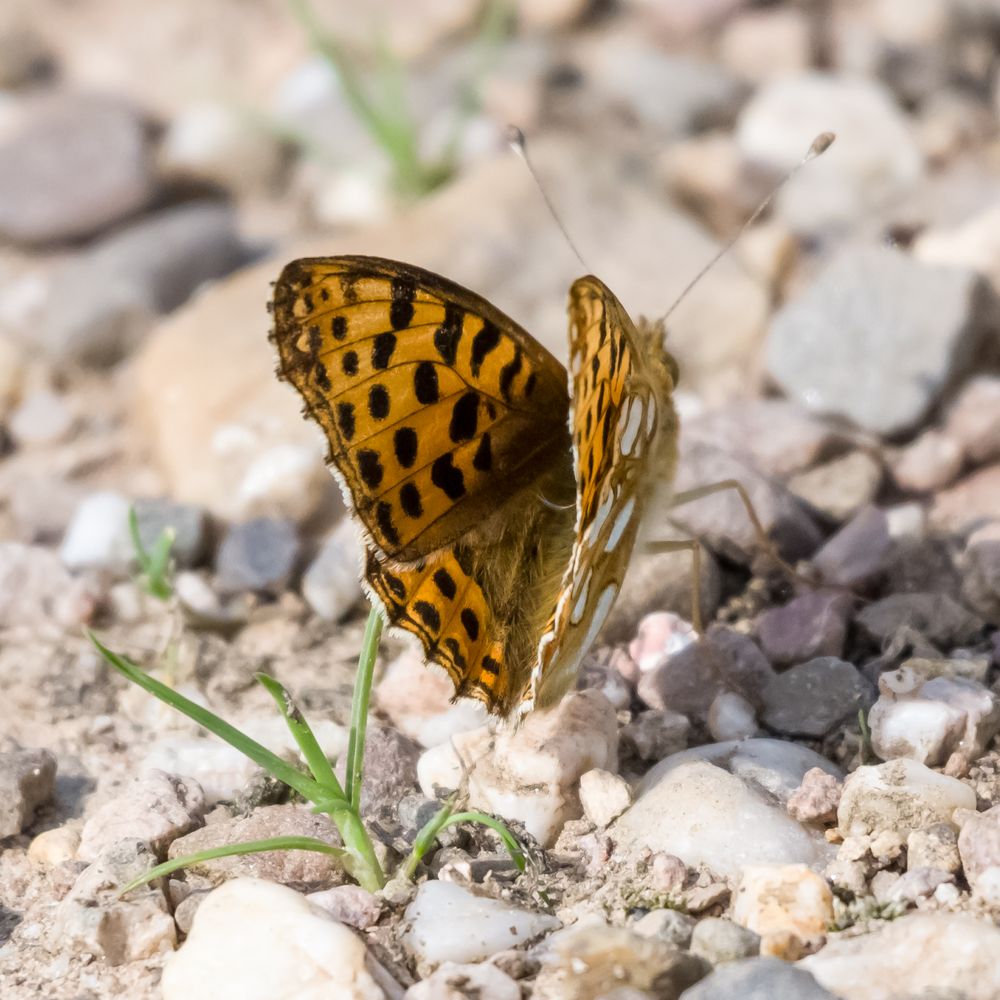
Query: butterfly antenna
{"points": [[517, 142], [820, 145]]}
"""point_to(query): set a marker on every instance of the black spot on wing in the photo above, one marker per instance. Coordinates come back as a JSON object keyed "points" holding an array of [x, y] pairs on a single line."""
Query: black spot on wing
{"points": [[382, 348], [449, 333], [349, 363], [339, 327], [345, 420], [383, 517], [401, 308], [470, 623], [410, 500], [322, 377], [404, 443], [425, 383], [464, 416], [508, 373], [447, 478], [370, 468], [483, 342], [378, 402], [482, 461], [445, 584], [428, 615]]}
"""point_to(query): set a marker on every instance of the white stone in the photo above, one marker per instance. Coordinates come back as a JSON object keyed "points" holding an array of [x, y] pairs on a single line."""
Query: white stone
{"points": [[900, 796], [217, 143], [255, 940], [532, 772], [417, 698], [778, 900], [659, 635], [731, 717], [922, 954], [448, 923], [439, 768], [987, 887], [458, 982], [98, 535], [875, 156], [222, 770], [332, 583], [604, 796], [695, 809], [929, 719]]}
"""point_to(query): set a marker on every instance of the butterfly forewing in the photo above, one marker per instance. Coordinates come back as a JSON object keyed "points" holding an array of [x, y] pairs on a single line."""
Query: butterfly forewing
{"points": [[620, 391], [437, 407]]}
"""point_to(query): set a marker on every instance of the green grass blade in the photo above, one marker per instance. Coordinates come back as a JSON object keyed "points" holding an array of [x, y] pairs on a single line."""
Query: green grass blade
{"points": [[444, 818], [258, 753], [510, 842], [289, 843], [359, 709], [305, 738]]}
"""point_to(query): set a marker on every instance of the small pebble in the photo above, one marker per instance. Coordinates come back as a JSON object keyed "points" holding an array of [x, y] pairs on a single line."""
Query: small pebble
{"points": [[258, 555]]}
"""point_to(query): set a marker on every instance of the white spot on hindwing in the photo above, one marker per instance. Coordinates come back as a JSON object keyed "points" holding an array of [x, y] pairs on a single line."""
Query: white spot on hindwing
{"points": [[600, 516], [621, 523], [631, 432], [581, 602]]}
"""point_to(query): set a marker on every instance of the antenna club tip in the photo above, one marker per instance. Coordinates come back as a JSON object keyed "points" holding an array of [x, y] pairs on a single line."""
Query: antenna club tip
{"points": [[821, 143], [514, 136]]}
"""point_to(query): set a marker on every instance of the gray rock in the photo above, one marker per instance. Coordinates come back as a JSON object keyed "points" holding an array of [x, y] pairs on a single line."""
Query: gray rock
{"points": [[671, 926], [937, 617], [719, 940], [93, 918], [979, 843], [154, 809], [810, 699], [840, 487], [858, 552], [628, 69], [390, 770], [778, 437], [257, 555], [916, 883], [79, 165], [758, 979], [981, 582], [812, 625], [653, 735], [109, 295], [27, 781], [689, 680], [721, 520], [188, 522], [875, 159], [303, 870], [878, 338]]}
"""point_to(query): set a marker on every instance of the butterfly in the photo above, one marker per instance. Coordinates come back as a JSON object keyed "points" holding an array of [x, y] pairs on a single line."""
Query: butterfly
{"points": [[500, 495]]}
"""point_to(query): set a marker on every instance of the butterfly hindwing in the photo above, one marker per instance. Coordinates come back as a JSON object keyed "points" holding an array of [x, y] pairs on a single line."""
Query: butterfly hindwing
{"points": [[624, 429], [436, 406]]}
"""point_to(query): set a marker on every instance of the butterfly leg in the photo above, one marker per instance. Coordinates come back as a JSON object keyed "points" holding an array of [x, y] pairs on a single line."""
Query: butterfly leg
{"points": [[693, 546], [763, 539]]}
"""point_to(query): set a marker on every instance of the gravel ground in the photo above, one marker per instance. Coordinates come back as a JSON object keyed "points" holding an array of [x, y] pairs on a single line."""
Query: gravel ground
{"points": [[804, 802]]}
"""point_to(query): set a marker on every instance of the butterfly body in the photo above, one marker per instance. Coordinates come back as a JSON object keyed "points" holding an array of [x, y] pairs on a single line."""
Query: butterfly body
{"points": [[498, 530]]}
